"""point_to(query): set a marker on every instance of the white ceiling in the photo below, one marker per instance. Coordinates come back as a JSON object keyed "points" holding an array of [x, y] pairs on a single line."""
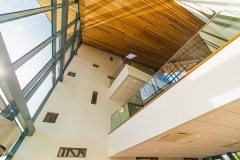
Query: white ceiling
{"points": [[128, 88], [216, 129]]}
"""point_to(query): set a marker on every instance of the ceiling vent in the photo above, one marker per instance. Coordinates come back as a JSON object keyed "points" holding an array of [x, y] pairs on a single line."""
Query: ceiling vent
{"points": [[233, 145], [175, 136]]}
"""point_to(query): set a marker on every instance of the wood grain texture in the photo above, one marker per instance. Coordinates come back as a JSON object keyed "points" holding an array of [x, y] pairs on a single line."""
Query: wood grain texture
{"points": [[154, 30]]}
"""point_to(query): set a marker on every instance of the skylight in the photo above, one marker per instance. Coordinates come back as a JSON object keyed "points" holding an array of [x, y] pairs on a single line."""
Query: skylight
{"points": [[131, 56]]}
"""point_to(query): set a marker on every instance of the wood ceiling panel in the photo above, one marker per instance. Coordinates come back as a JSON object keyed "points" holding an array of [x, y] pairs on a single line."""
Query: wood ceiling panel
{"points": [[153, 30]]}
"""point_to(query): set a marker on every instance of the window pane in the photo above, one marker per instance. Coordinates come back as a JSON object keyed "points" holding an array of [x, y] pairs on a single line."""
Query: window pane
{"points": [[23, 35], [38, 97], [70, 32], [71, 13], [57, 44], [59, 19], [28, 70], [67, 55]]}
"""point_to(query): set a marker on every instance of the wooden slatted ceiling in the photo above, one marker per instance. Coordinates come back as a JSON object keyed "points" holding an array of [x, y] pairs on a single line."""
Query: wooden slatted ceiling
{"points": [[154, 30]]}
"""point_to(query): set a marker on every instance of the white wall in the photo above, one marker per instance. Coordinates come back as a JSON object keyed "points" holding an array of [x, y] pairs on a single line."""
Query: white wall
{"points": [[79, 124], [212, 85]]}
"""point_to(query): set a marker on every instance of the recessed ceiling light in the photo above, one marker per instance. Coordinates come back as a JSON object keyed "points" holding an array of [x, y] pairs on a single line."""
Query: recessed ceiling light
{"points": [[134, 81], [217, 139], [212, 153], [198, 135], [145, 143], [155, 151], [131, 56], [234, 140], [211, 116], [187, 152], [121, 110]]}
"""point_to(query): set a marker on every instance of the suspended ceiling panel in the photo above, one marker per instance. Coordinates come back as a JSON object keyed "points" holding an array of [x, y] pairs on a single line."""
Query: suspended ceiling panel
{"points": [[214, 133], [153, 30]]}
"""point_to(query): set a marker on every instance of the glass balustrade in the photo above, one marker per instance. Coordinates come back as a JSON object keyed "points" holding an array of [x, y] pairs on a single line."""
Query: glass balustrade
{"points": [[217, 32]]}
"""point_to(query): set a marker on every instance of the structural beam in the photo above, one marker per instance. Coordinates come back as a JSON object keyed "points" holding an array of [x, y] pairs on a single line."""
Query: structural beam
{"points": [[12, 90], [17, 15]]}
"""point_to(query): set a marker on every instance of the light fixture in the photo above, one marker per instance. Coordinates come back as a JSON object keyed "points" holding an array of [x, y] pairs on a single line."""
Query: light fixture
{"points": [[145, 143], [211, 116], [217, 139], [234, 140], [134, 81], [121, 109], [155, 151], [131, 56], [212, 153], [187, 152], [198, 136]]}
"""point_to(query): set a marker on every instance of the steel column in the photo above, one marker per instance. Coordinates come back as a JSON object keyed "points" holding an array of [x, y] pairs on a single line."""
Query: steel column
{"points": [[65, 4], [54, 32], [9, 84]]}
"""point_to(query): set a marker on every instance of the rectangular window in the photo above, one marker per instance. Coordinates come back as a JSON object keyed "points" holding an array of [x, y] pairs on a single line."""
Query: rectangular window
{"points": [[94, 97], [111, 58], [72, 152], [50, 117], [72, 74]]}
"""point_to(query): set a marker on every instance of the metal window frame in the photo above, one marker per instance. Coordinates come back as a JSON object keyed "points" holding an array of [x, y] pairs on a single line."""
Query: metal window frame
{"points": [[22, 113]]}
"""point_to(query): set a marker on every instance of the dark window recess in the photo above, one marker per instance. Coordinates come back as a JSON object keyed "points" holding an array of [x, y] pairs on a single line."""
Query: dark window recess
{"points": [[72, 152], [50, 117], [95, 65], [111, 58], [94, 97], [72, 74]]}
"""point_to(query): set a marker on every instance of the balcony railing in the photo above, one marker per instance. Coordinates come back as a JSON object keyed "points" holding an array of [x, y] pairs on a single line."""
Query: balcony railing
{"points": [[135, 65], [212, 36]]}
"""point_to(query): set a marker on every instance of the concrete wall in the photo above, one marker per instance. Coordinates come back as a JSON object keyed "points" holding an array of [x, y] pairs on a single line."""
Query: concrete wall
{"points": [[80, 124], [212, 85]]}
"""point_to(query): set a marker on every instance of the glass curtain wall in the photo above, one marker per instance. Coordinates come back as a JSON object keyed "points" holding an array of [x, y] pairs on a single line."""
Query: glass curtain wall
{"points": [[41, 40]]}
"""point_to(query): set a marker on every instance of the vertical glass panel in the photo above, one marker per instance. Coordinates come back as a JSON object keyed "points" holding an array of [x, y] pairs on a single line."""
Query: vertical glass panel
{"points": [[57, 69], [115, 120], [16, 5], [28, 70], [149, 89], [136, 98], [67, 55], [71, 13], [58, 44], [70, 32], [38, 97], [160, 80], [23, 35], [143, 93], [59, 19], [124, 113]]}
